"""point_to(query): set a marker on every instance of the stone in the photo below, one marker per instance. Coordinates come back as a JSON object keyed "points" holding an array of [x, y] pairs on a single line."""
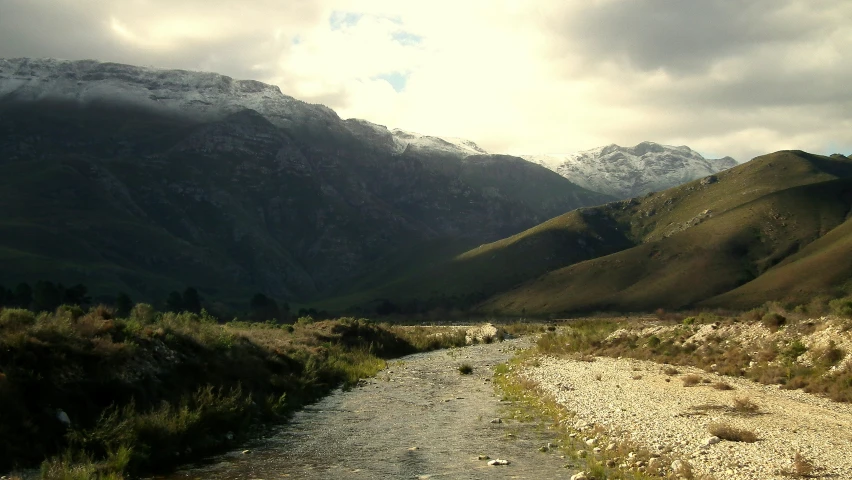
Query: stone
{"points": [[579, 476], [246, 452], [413, 449], [611, 447], [543, 449], [497, 462], [63, 417], [654, 464], [497, 420], [681, 468], [591, 442], [483, 457], [597, 449], [712, 441]]}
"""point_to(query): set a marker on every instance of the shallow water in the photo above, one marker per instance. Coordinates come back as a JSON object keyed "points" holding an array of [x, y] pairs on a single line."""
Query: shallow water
{"points": [[419, 418]]}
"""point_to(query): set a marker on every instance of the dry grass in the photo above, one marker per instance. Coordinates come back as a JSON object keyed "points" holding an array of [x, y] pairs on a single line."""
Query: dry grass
{"points": [[691, 380], [465, 369], [745, 406], [802, 467], [731, 433], [637, 377], [722, 386], [669, 370]]}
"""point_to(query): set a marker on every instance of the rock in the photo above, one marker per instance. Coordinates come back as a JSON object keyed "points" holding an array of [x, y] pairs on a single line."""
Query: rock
{"points": [[579, 476], [681, 468], [497, 420], [654, 464], [552, 445], [591, 442], [712, 441], [597, 449], [498, 461], [611, 447], [63, 417], [246, 452], [709, 180], [413, 449], [483, 457]]}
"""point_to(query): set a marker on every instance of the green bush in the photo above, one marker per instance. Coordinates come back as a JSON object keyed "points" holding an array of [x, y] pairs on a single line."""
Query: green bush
{"points": [[773, 321], [143, 313], [841, 307], [16, 317]]}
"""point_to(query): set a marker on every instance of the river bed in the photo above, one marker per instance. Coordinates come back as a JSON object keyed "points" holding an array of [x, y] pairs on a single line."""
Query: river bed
{"points": [[420, 418]]}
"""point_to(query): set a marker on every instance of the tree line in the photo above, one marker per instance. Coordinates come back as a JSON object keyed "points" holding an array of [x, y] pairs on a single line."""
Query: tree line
{"points": [[47, 296]]}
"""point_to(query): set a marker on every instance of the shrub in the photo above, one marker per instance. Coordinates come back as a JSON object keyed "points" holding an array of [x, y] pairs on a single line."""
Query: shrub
{"points": [[794, 351], [731, 433], [16, 317], [722, 386], [670, 370], [744, 405], [773, 321], [465, 369], [802, 467], [841, 307], [691, 380], [143, 313]]}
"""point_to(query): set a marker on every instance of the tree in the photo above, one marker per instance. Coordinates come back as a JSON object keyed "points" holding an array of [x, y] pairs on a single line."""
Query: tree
{"points": [[23, 295], [76, 295], [123, 304], [174, 302], [191, 300], [5, 296], [46, 296], [262, 308]]}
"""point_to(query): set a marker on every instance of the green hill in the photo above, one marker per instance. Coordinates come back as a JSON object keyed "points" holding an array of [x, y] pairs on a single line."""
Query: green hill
{"points": [[668, 249]]}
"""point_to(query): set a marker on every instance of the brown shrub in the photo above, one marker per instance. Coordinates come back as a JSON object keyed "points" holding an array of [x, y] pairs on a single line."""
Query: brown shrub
{"points": [[691, 380], [802, 467], [669, 370], [731, 433], [744, 405], [722, 386]]}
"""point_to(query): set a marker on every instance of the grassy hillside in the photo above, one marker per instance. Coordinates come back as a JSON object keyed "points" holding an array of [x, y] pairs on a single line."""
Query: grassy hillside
{"points": [[734, 234], [666, 249]]}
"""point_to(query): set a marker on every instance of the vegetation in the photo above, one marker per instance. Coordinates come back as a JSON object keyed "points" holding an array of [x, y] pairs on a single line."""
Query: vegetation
{"points": [[102, 395], [465, 369], [786, 357]]}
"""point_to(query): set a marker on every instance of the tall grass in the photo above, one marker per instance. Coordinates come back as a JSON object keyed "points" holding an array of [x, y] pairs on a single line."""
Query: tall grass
{"points": [[152, 390]]}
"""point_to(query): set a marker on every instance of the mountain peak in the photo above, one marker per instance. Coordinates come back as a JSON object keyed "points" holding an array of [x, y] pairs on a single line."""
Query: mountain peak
{"points": [[626, 172]]}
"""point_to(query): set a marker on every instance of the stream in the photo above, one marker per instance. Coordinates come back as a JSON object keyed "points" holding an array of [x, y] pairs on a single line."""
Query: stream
{"points": [[419, 418]]}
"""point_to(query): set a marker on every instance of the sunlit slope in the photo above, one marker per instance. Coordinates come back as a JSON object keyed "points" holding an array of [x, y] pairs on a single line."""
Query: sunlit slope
{"points": [[655, 225], [753, 217], [823, 266]]}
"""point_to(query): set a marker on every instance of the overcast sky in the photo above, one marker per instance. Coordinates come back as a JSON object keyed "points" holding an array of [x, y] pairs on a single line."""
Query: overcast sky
{"points": [[725, 77]]}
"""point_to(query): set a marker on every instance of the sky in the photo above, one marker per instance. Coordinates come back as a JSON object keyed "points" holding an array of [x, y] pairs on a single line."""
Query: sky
{"points": [[725, 77]]}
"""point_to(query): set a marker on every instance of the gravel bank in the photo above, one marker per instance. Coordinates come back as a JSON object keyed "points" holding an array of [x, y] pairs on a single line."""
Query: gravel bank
{"points": [[657, 414]]}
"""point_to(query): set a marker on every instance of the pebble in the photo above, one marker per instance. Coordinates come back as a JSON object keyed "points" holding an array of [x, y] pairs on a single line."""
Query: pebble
{"points": [[498, 461]]}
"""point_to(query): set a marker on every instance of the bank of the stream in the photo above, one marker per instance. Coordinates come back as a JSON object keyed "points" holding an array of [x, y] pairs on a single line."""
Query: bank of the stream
{"points": [[107, 397]]}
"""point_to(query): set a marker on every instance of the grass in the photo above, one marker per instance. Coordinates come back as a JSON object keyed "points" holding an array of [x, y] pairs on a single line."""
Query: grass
{"points": [[141, 389], [465, 369], [731, 433], [720, 385], [745, 406], [691, 380]]}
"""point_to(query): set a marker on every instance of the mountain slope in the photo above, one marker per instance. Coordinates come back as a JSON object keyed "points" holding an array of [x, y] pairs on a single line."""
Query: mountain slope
{"points": [[626, 172], [759, 214], [145, 180]]}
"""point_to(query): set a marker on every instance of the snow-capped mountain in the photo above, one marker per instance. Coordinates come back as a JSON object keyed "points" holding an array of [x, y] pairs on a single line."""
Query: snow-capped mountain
{"points": [[626, 172], [200, 96]]}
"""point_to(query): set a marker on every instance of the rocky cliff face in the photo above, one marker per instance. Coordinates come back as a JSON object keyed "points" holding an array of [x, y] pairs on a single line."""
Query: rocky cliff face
{"points": [[145, 180], [626, 172]]}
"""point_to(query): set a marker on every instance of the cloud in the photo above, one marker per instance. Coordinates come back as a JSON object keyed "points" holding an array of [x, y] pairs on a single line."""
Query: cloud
{"points": [[726, 77]]}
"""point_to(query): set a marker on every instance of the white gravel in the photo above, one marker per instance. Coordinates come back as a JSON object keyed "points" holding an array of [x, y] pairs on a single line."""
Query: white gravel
{"points": [[657, 414]]}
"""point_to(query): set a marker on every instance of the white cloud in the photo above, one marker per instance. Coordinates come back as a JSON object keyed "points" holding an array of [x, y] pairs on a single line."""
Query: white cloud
{"points": [[727, 77]]}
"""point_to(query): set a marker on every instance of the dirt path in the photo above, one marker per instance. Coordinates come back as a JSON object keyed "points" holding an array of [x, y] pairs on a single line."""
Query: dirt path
{"points": [[419, 418], [659, 412]]}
